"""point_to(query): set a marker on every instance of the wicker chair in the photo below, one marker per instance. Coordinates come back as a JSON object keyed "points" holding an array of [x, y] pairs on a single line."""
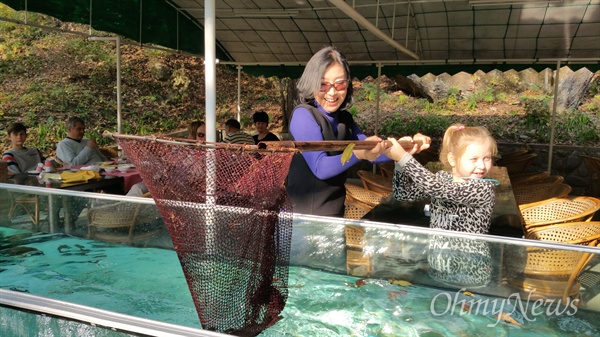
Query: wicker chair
{"points": [[593, 165], [29, 203], [516, 153], [355, 210], [553, 179], [558, 210], [376, 183], [526, 194], [386, 169], [517, 164], [355, 254], [362, 196], [119, 222], [529, 177], [427, 156], [551, 273]]}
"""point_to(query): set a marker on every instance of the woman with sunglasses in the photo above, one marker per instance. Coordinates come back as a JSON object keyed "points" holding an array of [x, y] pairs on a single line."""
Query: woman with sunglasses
{"points": [[316, 179]]}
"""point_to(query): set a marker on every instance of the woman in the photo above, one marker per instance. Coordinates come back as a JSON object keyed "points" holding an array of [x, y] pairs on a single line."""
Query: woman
{"points": [[261, 122], [197, 131], [316, 179]]}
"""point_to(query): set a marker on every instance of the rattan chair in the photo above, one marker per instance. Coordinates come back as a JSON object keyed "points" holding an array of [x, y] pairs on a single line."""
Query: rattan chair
{"points": [[119, 223], [109, 152], [362, 196], [593, 165], [427, 156], [29, 203], [558, 210], [516, 153], [528, 177], [551, 273], [375, 182], [527, 194], [355, 254], [386, 169], [355, 210], [517, 164]]}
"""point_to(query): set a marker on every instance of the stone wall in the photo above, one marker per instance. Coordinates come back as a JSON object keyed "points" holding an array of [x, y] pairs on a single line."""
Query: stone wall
{"points": [[566, 161]]}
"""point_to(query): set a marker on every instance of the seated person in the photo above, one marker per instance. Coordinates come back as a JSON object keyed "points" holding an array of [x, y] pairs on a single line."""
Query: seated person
{"points": [[20, 158], [261, 122], [234, 135], [197, 131], [138, 190], [76, 150]]}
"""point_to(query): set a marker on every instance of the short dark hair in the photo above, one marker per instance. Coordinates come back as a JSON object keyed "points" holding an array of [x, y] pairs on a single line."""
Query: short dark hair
{"points": [[233, 123], [260, 116], [16, 128], [310, 81], [74, 120]]}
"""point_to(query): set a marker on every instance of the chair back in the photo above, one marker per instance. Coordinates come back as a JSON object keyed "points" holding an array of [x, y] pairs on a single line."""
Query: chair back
{"points": [[516, 153], [517, 164], [375, 182], [528, 177], [593, 166], [116, 222], [527, 194], [558, 210], [554, 272], [386, 169], [354, 210], [361, 195]]}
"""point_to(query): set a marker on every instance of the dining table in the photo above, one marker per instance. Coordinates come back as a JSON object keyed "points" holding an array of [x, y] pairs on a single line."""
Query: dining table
{"points": [[111, 183], [506, 216]]}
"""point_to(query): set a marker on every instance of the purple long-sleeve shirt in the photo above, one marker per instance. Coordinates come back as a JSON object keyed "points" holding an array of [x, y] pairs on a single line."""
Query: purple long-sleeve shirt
{"points": [[303, 127]]}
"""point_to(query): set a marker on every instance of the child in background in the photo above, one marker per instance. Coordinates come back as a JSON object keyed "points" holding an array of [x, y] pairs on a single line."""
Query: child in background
{"points": [[21, 159], [461, 200]]}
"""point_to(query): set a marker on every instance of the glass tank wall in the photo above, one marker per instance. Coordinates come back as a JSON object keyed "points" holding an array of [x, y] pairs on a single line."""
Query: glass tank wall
{"points": [[346, 278]]}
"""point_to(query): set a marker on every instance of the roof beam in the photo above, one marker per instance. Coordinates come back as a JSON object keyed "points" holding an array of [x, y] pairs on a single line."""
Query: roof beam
{"points": [[361, 20]]}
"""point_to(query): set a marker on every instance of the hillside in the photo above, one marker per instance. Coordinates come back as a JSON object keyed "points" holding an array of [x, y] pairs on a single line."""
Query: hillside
{"points": [[47, 76]]}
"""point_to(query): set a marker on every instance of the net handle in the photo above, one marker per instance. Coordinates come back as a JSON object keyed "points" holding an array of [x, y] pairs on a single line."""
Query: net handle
{"points": [[272, 146], [333, 145]]}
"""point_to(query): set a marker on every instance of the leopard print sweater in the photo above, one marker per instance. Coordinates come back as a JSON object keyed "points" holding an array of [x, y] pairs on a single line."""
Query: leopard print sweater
{"points": [[465, 207]]}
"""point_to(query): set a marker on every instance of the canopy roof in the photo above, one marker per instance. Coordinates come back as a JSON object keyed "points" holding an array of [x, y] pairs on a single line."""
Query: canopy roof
{"points": [[278, 35]]}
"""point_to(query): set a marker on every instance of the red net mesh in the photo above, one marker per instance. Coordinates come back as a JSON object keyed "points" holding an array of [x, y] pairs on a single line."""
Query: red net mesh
{"points": [[230, 221]]}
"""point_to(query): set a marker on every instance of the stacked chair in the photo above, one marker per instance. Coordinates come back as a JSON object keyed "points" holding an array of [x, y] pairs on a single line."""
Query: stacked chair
{"points": [[553, 273], [375, 182], [558, 210], [517, 164], [529, 193], [593, 165]]}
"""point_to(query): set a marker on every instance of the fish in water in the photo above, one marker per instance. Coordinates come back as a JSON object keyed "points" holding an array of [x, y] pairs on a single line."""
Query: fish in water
{"points": [[62, 247]]}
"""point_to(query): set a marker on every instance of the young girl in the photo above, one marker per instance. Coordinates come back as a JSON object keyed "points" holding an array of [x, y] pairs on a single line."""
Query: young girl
{"points": [[461, 200]]}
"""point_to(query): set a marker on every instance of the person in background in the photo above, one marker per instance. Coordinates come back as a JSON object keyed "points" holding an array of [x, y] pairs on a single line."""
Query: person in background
{"points": [[197, 131], [76, 150], [316, 179], [234, 135], [461, 200], [261, 123], [21, 159], [201, 132]]}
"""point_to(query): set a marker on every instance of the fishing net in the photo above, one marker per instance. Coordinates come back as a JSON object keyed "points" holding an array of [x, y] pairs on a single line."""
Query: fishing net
{"points": [[230, 221]]}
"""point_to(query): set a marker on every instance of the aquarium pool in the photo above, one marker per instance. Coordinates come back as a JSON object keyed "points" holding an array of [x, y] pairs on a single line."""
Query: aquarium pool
{"points": [[149, 283]]}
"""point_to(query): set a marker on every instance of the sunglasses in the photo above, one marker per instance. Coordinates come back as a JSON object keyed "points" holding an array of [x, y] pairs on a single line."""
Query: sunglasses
{"points": [[337, 85], [200, 134]]}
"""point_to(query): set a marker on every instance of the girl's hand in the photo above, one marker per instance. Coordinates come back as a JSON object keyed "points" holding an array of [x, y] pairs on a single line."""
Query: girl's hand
{"points": [[373, 153], [396, 152], [424, 140]]}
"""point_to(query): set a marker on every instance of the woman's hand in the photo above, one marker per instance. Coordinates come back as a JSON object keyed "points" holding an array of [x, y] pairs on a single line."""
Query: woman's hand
{"points": [[373, 153]]}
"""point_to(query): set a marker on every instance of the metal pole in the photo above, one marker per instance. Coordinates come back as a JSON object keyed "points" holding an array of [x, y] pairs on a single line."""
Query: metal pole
{"points": [[239, 93], [552, 120], [118, 41], [210, 78]]}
